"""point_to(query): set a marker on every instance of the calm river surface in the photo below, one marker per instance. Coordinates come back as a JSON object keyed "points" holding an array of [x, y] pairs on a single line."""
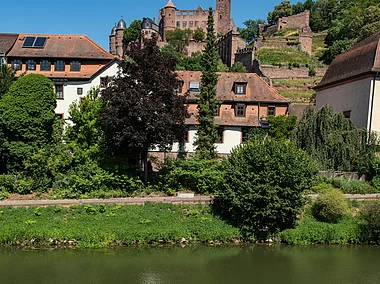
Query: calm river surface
{"points": [[198, 264]]}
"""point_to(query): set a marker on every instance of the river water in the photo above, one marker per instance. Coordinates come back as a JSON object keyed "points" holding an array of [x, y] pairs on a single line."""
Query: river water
{"points": [[197, 264]]}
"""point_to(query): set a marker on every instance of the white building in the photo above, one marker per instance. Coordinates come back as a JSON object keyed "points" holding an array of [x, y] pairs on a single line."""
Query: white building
{"points": [[351, 84], [74, 63]]}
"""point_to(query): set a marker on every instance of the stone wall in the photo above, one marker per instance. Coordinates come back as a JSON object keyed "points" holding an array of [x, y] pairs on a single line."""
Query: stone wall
{"points": [[284, 72], [195, 46], [228, 45], [246, 56], [296, 21]]}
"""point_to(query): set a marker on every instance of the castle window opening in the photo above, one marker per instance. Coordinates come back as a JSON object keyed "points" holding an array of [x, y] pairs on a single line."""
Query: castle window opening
{"points": [[178, 24], [191, 23], [217, 110], [184, 13], [196, 23], [191, 13], [184, 24], [178, 13]]}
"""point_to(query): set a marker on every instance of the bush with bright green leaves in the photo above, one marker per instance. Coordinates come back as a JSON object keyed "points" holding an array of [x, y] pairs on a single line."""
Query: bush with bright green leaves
{"points": [[199, 175], [371, 213], [331, 206], [264, 182], [89, 180]]}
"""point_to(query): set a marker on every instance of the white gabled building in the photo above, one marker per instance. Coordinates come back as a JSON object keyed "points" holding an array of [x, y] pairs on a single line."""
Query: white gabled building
{"points": [[351, 84], [74, 63]]}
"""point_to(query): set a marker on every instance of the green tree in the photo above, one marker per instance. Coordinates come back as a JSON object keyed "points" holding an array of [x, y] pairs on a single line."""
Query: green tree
{"points": [[207, 103], [333, 141], [7, 77], [83, 134], [199, 35], [282, 126], [143, 111], [179, 39], [133, 32], [26, 119], [251, 30], [263, 186], [282, 10], [238, 67]]}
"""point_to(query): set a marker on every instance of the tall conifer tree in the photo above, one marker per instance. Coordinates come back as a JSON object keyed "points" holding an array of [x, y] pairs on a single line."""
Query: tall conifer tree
{"points": [[207, 104]]}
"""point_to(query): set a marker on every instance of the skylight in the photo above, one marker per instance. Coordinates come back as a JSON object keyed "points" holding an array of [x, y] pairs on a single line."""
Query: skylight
{"points": [[32, 41]]}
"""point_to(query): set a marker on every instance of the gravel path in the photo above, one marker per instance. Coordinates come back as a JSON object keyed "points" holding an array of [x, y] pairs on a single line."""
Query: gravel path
{"points": [[143, 200]]}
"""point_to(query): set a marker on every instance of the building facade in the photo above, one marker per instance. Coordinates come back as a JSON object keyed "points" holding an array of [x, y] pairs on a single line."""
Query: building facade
{"points": [[245, 102], [74, 64], [351, 84]]}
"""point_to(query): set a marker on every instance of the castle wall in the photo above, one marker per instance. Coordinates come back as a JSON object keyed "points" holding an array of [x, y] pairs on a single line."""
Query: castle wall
{"points": [[246, 57], [228, 46], [296, 21]]}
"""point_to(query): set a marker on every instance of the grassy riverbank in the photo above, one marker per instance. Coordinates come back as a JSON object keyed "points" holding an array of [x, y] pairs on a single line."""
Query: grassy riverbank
{"points": [[106, 225]]}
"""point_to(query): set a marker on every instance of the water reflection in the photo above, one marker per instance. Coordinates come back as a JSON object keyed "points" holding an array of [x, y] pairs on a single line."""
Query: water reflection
{"points": [[198, 264]]}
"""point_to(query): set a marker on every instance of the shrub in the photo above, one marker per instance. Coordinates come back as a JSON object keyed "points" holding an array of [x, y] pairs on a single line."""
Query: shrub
{"points": [[198, 175], [89, 180], [371, 213], [330, 206], [263, 186]]}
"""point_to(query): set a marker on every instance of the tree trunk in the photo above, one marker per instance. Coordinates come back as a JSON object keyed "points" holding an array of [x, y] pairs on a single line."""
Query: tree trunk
{"points": [[145, 161]]}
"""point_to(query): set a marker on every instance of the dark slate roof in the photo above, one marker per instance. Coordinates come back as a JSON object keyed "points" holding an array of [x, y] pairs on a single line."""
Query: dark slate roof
{"points": [[362, 58], [61, 46], [298, 109], [6, 42]]}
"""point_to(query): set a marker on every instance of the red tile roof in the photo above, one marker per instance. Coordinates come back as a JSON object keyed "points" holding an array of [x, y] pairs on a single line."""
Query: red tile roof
{"points": [[362, 58], [6, 42], [257, 89], [61, 46]]}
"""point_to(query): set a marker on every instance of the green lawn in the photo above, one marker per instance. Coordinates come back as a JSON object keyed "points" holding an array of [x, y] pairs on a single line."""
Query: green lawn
{"points": [[107, 225]]}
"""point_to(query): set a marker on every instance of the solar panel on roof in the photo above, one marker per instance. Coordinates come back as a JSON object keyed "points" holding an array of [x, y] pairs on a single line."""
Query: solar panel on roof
{"points": [[29, 41], [40, 42]]}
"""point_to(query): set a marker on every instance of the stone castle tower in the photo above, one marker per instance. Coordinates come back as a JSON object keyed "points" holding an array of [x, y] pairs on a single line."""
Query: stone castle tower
{"points": [[223, 14], [168, 18], [116, 39]]}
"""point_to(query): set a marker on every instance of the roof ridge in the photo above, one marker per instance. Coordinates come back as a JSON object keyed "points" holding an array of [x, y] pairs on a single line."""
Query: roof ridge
{"points": [[270, 87], [98, 46]]}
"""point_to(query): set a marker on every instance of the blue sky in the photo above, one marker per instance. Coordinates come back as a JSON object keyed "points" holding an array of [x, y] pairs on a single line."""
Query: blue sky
{"points": [[96, 18]]}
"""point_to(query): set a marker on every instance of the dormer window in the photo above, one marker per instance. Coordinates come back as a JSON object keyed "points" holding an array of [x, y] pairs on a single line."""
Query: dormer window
{"points": [[240, 88], [31, 64], [75, 65], [45, 65], [17, 64], [194, 86], [59, 65], [240, 110]]}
